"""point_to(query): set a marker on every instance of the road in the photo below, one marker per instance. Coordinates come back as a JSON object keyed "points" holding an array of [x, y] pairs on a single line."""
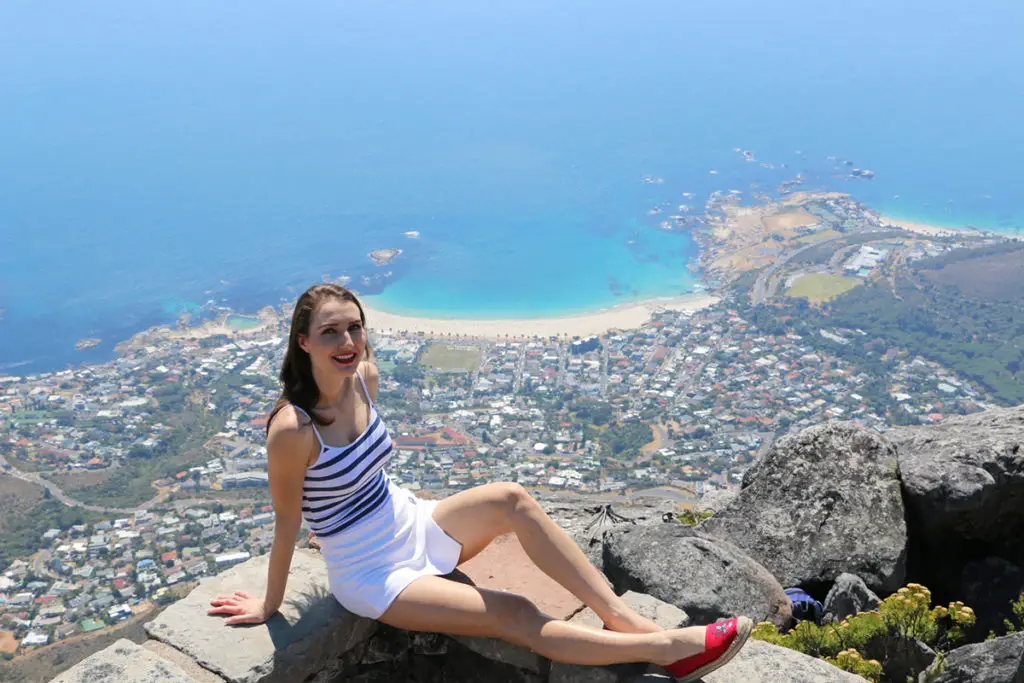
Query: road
{"points": [[58, 493], [517, 383]]}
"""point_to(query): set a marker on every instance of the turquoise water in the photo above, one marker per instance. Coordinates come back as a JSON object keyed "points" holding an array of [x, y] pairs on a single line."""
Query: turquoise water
{"points": [[167, 158], [241, 322]]}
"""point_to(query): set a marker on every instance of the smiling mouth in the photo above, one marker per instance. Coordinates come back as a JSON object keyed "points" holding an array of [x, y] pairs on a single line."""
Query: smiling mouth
{"points": [[344, 358]]}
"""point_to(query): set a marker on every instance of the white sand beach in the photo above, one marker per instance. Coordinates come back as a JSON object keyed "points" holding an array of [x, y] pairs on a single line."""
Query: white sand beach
{"points": [[929, 230], [627, 316]]}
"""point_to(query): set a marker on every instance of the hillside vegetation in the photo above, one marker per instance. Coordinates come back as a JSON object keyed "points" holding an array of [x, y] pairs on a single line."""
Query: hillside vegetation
{"points": [[964, 309]]}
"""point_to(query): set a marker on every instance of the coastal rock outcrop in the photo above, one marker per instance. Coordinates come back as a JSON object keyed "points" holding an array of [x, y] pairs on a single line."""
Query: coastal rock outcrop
{"points": [[705, 576], [820, 503]]}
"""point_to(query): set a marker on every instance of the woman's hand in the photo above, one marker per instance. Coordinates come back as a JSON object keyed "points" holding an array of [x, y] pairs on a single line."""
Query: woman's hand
{"points": [[243, 608]]}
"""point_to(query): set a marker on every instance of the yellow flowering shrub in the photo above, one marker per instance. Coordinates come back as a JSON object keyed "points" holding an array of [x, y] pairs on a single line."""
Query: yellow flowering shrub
{"points": [[852, 661], [905, 615]]}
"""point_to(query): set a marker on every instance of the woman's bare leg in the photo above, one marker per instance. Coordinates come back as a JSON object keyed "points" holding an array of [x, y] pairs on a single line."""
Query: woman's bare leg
{"points": [[475, 517], [431, 603]]}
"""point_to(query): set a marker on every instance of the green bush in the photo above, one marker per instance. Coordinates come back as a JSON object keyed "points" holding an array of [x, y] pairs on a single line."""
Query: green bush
{"points": [[903, 616], [692, 517], [1018, 613], [1017, 623]]}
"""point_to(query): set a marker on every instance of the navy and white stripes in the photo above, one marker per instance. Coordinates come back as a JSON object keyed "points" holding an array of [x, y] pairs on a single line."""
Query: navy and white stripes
{"points": [[347, 483]]}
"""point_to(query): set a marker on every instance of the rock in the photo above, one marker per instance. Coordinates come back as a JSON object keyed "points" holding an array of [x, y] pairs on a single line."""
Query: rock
{"points": [[820, 503], [165, 651], [705, 576], [963, 478], [503, 652], [849, 596], [963, 482], [432, 644], [310, 628], [661, 613], [902, 658], [587, 522], [386, 645], [124, 661], [759, 662], [462, 664], [715, 500], [1000, 660]]}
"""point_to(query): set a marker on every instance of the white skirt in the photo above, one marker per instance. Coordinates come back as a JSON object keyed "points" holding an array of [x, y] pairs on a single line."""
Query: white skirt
{"points": [[370, 563]]}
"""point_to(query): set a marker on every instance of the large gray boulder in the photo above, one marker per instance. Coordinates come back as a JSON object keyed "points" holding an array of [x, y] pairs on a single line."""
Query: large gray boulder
{"points": [[963, 479], [586, 522], [760, 662], [714, 500], [309, 629], [820, 503], [849, 596], [124, 662], [757, 662], [705, 576], [1000, 660]]}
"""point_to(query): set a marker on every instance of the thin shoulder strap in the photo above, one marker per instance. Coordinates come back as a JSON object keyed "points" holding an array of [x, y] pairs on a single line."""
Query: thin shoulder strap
{"points": [[365, 391], [312, 423]]}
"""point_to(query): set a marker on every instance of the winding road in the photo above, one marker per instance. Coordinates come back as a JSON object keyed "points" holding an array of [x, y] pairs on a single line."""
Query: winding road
{"points": [[58, 493]]}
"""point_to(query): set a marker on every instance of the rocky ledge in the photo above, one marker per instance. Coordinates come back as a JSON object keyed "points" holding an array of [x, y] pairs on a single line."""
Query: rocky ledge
{"points": [[314, 639]]}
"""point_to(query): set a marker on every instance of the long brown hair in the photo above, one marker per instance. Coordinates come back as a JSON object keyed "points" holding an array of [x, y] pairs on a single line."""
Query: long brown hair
{"points": [[297, 384]]}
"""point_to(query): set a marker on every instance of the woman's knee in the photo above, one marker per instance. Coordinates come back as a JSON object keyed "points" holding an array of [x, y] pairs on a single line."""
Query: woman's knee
{"points": [[515, 617], [516, 497]]}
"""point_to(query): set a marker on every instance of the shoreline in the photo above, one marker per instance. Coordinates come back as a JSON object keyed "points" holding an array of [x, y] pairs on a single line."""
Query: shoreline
{"points": [[932, 230], [622, 317], [929, 229]]}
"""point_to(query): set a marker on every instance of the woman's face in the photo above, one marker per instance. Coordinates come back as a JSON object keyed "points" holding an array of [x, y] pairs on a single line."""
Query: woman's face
{"points": [[336, 342]]}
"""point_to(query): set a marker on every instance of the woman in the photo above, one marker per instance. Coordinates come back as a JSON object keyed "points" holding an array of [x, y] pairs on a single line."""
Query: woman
{"points": [[387, 551]]}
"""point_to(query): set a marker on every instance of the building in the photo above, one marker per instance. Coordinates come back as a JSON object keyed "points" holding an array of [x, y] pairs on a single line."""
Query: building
{"points": [[229, 559]]}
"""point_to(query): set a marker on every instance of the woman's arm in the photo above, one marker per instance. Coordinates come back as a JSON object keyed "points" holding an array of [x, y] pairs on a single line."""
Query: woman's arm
{"points": [[288, 447], [287, 453]]}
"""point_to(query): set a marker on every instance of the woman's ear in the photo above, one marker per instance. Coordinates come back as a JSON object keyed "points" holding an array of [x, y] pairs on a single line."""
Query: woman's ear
{"points": [[303, 341]]}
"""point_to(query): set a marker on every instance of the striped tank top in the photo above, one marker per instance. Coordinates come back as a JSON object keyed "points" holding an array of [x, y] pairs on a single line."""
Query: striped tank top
{"points": [[347, 483]]}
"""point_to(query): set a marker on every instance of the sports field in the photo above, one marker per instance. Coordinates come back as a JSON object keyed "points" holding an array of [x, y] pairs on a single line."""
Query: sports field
{"points": [[822, 287], [448, 357], [816, 236]]}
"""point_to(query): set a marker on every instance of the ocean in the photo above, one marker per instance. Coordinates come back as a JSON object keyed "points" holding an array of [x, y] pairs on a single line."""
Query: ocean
{"points": [[162, 158]]}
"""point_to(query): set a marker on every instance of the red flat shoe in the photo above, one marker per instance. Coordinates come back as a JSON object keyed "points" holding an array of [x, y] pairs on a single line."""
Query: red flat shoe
{"points": [[722, 640]]}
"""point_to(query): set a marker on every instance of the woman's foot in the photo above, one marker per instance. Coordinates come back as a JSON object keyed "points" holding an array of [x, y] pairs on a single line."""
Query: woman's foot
{"points": [[718, 644]]}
